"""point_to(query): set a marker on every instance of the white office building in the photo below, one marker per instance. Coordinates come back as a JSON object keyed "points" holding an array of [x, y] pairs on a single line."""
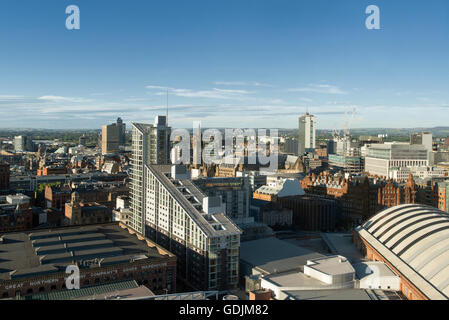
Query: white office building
{"points": [[382, 159]]}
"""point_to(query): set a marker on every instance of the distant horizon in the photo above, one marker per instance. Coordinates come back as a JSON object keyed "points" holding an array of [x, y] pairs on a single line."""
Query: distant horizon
{"points": [[203, 127]]}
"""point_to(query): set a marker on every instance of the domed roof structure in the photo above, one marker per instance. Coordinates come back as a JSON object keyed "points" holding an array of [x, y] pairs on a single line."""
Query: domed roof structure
{"points": [[414, 238]]}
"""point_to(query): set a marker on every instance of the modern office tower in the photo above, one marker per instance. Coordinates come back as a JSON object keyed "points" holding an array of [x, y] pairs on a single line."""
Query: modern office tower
{"points": [[424, 138], [292, 146], [193, 226], [307, 133], [150, 145], [121, 132], [381, 159], [109, 139], [346, 163], [23, 144]]}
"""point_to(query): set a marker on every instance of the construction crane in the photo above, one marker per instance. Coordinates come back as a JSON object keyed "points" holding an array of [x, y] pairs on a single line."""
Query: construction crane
{"points": [[348, 121]]}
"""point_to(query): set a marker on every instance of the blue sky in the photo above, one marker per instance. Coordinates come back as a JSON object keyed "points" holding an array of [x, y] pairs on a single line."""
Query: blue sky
{"points": [[228, 63]]}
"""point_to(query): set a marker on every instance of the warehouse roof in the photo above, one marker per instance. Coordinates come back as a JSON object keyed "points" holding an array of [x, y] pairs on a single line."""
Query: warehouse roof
{"points": [[25, 254]]}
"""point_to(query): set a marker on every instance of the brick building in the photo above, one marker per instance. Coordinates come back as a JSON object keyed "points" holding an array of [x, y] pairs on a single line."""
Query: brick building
{"points": [[57, 196], [104, 253], [4, 176], [81, 213], [361, 197], [51, 170], [15, 213], [442, 194]]}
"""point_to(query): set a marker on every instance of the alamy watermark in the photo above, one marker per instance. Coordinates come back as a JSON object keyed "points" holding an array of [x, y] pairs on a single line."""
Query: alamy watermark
{"points": [[73, 21], [241, 146], [72, 282]]}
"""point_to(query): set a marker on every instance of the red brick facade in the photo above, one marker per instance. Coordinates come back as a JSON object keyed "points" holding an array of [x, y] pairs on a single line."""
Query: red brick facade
{"points": [[367, 197], [4, 176]]}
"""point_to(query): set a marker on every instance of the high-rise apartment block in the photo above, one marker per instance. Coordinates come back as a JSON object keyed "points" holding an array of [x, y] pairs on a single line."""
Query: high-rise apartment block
{"points": [[167, 207], [150, 145], [193, 226], [307, 133]]}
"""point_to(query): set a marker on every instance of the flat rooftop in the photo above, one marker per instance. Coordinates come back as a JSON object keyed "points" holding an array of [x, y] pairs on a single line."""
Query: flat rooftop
{"points": [[373, 268], [271, 255], [35, 253], [296, 280], [334, 265], [341, 244], [339, 294]]}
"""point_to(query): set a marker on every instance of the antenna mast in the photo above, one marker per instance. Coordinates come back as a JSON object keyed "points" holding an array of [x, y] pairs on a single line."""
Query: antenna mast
{"points": [[166, 115]]}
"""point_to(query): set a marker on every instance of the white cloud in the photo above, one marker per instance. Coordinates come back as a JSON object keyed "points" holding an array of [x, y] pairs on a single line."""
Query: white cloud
{"points": [[319, 88], [242, 83], [62, 99], [9, 98], [214, 93]]}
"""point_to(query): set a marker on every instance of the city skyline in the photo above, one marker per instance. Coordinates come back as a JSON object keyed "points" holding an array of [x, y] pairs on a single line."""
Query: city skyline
{"points": [[227, 64]]}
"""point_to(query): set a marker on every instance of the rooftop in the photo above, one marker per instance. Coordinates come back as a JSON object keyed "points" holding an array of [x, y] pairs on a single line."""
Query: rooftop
{"points": [[271, 255], [25, 254], [333, 265], [414, 239], [369, 268], [340, 294], [123, 289], [190, 198]]}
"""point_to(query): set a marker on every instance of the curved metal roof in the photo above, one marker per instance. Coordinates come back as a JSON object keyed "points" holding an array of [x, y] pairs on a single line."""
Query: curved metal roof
{"points": [[417, 238]]}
